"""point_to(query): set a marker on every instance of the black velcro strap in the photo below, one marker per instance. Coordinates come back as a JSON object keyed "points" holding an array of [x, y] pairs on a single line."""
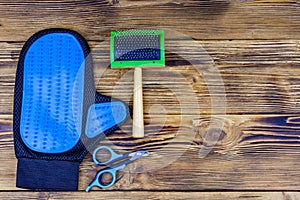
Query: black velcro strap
{"points": [[47, 174]]}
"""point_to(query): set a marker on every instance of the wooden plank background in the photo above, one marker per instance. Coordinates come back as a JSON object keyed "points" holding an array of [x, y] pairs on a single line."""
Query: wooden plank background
{"points": [[255, 45]]}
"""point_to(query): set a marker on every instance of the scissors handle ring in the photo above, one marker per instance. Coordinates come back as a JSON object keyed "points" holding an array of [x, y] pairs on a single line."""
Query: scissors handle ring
{"points": [[99, 177], [113, 155]]}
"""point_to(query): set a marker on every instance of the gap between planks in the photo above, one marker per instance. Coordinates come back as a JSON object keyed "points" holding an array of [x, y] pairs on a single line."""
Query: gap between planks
{"points": [[151, 195]]}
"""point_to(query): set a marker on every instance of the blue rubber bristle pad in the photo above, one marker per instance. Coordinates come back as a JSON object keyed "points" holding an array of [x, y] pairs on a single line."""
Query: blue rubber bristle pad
{"points": [[104, 116], [53, 88]]}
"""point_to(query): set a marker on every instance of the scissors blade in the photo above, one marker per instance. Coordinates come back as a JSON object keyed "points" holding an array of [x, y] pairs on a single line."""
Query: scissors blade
{"points": [[131, 157], [138, 154], [122, 157]]}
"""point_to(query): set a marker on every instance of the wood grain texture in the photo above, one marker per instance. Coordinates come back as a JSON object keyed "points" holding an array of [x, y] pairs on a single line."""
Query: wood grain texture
{"points": [[249, 152], [259, 77], [151, 195], [212, 19], [193, 145], [231, 153], [255, 151]]}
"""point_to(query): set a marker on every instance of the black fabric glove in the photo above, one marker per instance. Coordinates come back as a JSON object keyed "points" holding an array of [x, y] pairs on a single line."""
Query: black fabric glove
{"points": [[58, 115]]}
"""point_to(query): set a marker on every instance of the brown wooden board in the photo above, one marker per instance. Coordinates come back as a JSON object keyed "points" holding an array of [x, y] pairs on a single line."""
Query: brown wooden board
{"points": [[211, 19], [248, 140], [151, 195], [255, 77], [249, 152]]}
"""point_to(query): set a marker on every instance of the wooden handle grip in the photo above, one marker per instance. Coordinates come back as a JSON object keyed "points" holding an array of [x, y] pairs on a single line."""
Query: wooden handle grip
{"points": [[138, 110]]}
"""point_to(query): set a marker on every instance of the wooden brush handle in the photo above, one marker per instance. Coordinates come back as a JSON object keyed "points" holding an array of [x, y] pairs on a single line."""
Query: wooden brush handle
{"points": [[138, 110]]}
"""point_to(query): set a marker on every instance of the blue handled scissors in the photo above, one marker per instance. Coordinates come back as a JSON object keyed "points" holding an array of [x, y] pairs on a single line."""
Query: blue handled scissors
{"points": [[116, 162]]}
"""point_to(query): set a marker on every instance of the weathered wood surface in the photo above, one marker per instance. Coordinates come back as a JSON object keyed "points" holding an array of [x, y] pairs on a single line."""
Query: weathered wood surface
{"points": [[152, 195], [254, 45], [250, 153], [258, 150], [258, 77], [201, 19]]}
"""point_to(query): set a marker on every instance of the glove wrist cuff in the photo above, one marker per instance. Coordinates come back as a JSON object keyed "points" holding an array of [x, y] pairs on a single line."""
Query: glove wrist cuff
{"points": [[47, 174]]}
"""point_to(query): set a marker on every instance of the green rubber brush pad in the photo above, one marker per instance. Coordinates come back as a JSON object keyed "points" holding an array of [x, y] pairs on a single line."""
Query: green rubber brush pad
{"points": [[137, 48]]}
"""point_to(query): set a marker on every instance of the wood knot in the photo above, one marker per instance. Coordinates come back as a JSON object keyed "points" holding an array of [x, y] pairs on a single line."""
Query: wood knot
{"points": [[212, 136], [214, 131]]}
